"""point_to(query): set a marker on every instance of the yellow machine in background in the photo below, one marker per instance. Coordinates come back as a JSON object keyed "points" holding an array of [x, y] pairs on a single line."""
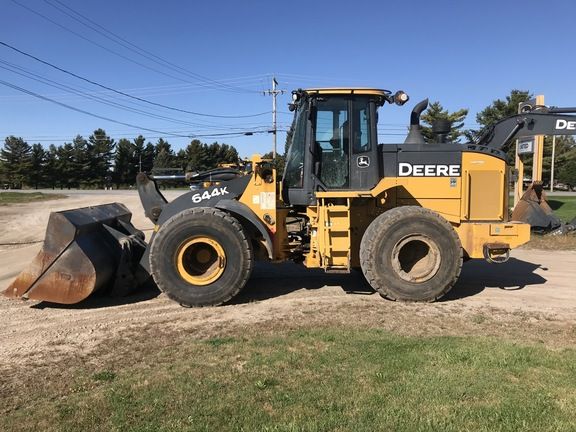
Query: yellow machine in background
{"points": [[408, 215]]}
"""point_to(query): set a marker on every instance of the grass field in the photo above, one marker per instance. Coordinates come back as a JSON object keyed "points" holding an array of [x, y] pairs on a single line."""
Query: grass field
{"points": [[26, 197], [564, 206], [330, 379]]}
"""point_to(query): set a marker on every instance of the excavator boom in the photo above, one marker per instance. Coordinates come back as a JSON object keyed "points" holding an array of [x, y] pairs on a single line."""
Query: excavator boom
{"points": [[535, 121]]}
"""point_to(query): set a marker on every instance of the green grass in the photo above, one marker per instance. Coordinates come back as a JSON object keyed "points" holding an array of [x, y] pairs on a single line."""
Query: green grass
{"points": [[564, 206], [26, 197], [315, 380]]}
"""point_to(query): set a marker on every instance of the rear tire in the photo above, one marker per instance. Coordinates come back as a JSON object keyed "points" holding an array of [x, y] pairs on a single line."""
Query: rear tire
{"points": [[201, 257], [411, 254]]}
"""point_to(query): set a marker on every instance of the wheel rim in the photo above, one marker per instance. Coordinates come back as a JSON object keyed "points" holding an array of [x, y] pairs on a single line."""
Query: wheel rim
{"points": [[416, 258], [201, 261]]}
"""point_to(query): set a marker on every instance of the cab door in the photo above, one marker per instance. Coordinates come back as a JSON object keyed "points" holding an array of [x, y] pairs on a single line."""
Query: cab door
{"points": [[344, 136], [364, 163], [331, 142]]}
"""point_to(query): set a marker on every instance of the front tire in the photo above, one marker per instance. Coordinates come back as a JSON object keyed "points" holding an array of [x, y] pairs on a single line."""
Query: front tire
{"points": [[201, 257], [411, 254]]}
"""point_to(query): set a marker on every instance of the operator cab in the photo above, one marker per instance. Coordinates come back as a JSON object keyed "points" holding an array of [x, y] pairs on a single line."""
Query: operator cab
{"points": [[333, 142]]}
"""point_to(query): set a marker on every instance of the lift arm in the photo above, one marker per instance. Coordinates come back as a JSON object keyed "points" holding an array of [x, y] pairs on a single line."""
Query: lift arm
{"points": [[539, 120]]}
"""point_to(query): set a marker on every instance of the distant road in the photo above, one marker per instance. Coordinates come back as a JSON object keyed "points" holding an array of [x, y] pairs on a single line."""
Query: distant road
{"points": [[559, 193], [172, 193]]}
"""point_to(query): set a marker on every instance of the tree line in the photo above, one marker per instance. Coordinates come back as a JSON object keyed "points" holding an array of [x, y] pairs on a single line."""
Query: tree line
{"points": [[99, 161], [565, 154]]}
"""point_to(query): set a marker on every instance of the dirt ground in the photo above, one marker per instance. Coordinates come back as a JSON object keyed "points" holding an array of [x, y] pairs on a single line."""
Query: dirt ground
{"points": [[534, 286]]}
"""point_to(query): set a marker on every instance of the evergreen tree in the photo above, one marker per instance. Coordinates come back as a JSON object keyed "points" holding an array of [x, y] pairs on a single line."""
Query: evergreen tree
{"points": [[567, 172], [37, 165], [436, 112], [197, 156], [228, 154], [15, 160], [279, 162], [164, 156], [564, 152], [162, 145], [65, 166], [101, 152], [500, 109], [201, 157], [148, 157], [124, 163], [181, 160], [51, 166], [79, 163], [98, 160]]}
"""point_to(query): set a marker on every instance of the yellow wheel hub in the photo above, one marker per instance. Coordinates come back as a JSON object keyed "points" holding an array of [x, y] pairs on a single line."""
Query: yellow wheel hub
{"points": [[200, 261]]}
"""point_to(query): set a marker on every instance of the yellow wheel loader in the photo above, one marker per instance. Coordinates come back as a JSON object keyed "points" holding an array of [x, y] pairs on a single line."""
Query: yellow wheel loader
{"points": [[408, 215]]}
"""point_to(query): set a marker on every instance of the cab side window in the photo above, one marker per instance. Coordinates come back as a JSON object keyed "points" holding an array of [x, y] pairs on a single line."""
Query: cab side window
{"points": [[361, 139], [332, 142]]}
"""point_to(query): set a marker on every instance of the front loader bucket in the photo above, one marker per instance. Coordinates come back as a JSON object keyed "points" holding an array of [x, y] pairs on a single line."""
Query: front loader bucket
{"points": [[534, 210], [85, 250]]}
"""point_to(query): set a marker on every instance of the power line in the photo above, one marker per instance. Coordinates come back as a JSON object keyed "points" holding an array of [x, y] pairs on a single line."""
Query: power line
{"points": [[230, 88], [120, 92], [51, 83], [160, 90], [136, 49], [96, 43], [69, 89], [36, 95], [125, 131]]}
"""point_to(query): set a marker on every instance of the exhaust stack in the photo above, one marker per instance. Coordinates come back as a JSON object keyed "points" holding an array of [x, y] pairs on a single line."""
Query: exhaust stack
{"points": [[414, 134]]}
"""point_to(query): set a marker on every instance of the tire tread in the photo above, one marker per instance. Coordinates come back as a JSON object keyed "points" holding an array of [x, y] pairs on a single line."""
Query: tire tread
{"points": [[383, 223], [248, 262]]}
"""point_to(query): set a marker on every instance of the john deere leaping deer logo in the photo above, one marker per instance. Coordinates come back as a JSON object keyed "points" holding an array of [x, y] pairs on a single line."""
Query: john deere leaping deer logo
{"points": [[363, 161]]}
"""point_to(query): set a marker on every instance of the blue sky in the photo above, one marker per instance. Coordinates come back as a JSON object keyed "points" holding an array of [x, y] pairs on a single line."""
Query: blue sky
{"points": [[463, 54]]}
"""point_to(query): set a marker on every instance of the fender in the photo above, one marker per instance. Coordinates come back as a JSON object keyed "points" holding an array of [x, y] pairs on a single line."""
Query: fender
{"points": [[245, 213], [159, 210], [208, 197], [239, 210], [236, 208]]}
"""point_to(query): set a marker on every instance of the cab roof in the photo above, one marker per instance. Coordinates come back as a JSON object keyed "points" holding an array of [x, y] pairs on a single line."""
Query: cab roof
{"points": [[347, 90]]}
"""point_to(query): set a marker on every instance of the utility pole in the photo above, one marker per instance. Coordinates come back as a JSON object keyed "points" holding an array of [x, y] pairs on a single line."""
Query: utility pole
{"points": [[538, 149], [274, 92], [552, 165]]}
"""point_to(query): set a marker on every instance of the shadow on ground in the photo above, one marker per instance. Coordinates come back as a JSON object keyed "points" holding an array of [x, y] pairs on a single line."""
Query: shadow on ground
{"points": [[277, 280], [148, 291], [477, 275]]}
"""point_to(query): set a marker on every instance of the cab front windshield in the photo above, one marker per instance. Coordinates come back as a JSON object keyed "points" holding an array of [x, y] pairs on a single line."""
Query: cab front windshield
{"points": [[294, 172]]}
